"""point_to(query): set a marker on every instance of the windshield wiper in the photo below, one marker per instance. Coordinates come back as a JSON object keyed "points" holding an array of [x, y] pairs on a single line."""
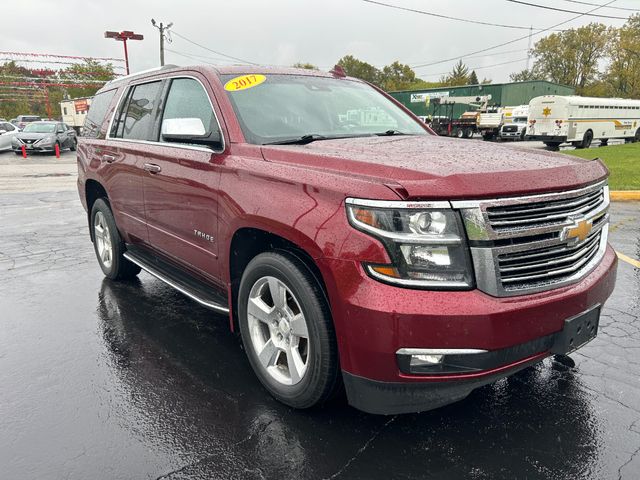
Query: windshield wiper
{"points": [[390, 133], [303, 140]]}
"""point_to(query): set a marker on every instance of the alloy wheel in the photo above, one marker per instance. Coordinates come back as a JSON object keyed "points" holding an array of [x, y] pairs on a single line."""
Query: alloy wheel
{"points": [[103, 239], [278, 331]]}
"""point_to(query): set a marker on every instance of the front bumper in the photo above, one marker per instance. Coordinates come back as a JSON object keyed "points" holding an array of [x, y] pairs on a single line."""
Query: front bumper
{"points": [[373, 321], [34, 148], [548, 138]]}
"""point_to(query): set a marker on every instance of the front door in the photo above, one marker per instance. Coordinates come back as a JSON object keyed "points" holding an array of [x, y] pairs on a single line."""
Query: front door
{"points": [[181, 185]]}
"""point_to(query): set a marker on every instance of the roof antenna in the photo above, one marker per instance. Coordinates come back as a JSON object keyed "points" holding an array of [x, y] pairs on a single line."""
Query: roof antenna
{"points": [[338, 71]]}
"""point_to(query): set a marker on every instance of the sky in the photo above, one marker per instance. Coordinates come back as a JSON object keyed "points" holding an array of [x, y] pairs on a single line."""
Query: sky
{"points": [[282, 32]]}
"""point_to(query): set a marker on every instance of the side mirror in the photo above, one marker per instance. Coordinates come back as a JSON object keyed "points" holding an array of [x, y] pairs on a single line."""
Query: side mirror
{"points": [[189, 130]]}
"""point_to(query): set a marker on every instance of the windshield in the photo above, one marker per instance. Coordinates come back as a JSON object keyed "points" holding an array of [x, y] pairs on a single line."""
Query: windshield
{"points": [[40, 128], [520, 120], [277, 108]]}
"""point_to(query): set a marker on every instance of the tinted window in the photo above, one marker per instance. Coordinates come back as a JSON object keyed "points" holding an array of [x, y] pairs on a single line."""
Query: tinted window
{"points": [[97, 111], [188, 99], [137, 122]]}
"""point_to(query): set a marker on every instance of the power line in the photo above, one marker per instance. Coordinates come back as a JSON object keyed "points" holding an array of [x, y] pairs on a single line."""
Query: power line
{"points": [[200, 58], [505, 52], [563, 10], [211, 50], [31, 54], [447, 17], [478, 68], [514, 40], [595, 4]]}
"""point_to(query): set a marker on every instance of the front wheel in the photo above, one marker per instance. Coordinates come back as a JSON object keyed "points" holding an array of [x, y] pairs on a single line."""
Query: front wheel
{"points": [[287, 330], [108, 244], [586, 140]]}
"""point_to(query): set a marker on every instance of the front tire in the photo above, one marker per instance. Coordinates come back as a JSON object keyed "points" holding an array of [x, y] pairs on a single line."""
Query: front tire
{"points": [[287, 330], [586, 140], [108, 244]]}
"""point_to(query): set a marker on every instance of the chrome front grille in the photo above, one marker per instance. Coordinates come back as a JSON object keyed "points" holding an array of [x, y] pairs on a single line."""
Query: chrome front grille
{"points": [[529, 244], [551, 212]]}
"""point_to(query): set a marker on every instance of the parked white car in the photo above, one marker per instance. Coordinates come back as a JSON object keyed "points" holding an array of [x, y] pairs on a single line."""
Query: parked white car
{"points": [[7, 132]]}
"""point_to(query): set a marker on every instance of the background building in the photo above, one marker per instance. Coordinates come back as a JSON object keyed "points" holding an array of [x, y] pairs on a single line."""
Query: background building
{"points": [[502, 95]]}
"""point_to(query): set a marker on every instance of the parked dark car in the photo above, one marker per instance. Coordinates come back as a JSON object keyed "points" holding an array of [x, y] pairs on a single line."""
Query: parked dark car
{"points": [[345, 241], [44, 136]]}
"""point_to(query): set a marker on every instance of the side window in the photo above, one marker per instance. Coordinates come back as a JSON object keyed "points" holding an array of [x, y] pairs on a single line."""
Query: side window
{"points": [[136, 115], [187, 99], [97, 112]]}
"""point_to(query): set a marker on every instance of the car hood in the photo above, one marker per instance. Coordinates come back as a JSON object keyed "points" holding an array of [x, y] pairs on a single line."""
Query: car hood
{"points": [[428, 166], [34, 136]]}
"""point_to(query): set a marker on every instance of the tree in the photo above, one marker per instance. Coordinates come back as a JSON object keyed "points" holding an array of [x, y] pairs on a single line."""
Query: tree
{"points": [[473, 78], [526, 75], [32, 98], [572, 57], [359, 69], [622, 78], [459, 75], [305, 65], [397, 76]]}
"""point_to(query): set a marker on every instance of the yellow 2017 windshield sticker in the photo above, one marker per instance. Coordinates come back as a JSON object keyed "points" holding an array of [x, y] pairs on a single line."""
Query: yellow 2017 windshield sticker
{"points": [[243, 82]]}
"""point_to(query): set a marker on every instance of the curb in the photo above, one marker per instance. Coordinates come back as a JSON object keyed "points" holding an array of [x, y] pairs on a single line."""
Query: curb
{"points": [[624, 195]]}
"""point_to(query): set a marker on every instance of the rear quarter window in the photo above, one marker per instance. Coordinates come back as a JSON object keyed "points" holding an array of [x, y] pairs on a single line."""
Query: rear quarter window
{"points": [[97, 112]]}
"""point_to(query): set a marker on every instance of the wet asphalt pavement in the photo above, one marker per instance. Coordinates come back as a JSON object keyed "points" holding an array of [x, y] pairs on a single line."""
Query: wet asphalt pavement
{"points": [[103, 380]]}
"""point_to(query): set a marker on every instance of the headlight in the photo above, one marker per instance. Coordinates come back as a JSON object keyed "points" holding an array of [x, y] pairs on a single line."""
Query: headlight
{"points": [[16, 141], [425, 242]]}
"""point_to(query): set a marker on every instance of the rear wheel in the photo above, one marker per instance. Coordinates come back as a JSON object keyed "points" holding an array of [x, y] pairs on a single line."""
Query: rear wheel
{"points": [[74, 145], [108, 244], [604, 142], [287, 330], [553, 145], [458, 132], [468, 132], [636, 137]]}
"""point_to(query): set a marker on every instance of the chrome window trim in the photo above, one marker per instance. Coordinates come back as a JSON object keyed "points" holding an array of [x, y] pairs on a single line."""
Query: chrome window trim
{"points": [[440, 351], [152, 142]]}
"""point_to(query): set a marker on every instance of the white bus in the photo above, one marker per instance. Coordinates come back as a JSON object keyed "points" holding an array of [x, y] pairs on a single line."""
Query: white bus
{"points": [[579, 120]]}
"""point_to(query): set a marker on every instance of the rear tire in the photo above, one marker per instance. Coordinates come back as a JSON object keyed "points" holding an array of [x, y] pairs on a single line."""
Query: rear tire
{"points": [[288, 335], [74, 145], [468, 133], [553, 145], [108, 244], [458, 132], [604, 142]]}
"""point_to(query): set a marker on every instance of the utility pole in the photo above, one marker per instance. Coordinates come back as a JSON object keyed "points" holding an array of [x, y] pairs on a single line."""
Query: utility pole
{"points": [[529, 48], [123, 37], [162, 28]]}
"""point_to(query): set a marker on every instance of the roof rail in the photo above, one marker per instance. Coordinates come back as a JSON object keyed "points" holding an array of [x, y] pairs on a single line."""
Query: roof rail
{"points": [[149, 70]]}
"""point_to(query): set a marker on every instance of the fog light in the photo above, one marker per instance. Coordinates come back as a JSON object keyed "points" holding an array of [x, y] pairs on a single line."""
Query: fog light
{"points": [[425, 360]]}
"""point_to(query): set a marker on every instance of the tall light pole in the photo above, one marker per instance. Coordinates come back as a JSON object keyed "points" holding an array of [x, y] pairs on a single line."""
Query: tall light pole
{"points": [[123, 37], [162, 28]]}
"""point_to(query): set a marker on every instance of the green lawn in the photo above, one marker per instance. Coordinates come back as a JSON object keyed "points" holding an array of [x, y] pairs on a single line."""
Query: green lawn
{"points": [[622, 160]]}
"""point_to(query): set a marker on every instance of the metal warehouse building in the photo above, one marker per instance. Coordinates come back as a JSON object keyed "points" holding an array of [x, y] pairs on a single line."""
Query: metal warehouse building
{"points": [[502, 95]]}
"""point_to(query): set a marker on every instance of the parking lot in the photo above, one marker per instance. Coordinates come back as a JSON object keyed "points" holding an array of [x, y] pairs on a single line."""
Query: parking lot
{"points": [[134, 380]]}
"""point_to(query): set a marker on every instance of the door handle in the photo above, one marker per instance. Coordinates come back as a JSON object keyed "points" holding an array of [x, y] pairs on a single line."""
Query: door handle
{"points": [[152, 168], [108, 158]]}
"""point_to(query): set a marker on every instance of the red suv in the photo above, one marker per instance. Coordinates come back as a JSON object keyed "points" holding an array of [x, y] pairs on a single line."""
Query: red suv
{"points": [[343, 239]]}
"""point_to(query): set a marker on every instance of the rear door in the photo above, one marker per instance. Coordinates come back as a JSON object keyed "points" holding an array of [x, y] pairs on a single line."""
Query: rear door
{"points": [[124, 154], [181, 183]]}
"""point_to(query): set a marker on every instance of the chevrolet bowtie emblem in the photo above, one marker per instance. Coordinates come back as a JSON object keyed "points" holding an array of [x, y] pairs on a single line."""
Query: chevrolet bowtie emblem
{"points": [[579, 231]]}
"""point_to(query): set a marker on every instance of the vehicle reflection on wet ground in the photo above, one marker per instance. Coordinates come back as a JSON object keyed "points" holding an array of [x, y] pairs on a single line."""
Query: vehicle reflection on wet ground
{"points": [[133, 380]]}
